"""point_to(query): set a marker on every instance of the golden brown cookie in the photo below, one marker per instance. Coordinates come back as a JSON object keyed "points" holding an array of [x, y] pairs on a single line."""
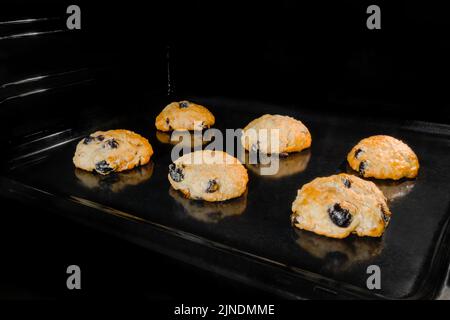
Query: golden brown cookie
{"points": [[184, 115], [292, 135], [383, 157], [208, 175], [112, 151], [339, 205]]}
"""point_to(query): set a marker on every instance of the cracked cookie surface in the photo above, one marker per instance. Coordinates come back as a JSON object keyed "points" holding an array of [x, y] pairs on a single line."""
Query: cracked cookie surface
{"points": [[383, 157], [339, 205], [112, 151], [208, 175], [184, 115], [293, 135]]}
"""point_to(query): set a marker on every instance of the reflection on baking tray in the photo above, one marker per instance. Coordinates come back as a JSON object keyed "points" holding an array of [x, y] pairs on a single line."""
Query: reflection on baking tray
{"points": [[337, 254], [294, 163], [210, 212], [392, 189], [184, 138], [117, 181]]}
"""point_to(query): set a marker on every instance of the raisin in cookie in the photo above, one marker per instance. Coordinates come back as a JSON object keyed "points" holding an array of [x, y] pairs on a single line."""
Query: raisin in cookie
{"points": [[184, 115], [383, 157], [112, 151], [208, 175], [261, 134], [339, 205]]}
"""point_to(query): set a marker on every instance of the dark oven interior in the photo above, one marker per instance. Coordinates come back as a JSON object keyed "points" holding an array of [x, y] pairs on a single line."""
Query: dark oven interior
{"points": [[317, 61]]}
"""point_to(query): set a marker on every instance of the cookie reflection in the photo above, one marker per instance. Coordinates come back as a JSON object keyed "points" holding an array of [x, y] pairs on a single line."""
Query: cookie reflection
{"points": [[337, 254], [293, 164], [184, 138], [117, 181], [392, 189], [210, 212]]}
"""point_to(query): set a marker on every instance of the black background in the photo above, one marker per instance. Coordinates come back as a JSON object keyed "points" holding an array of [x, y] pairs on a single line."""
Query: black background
{"points": [[319, 55]]}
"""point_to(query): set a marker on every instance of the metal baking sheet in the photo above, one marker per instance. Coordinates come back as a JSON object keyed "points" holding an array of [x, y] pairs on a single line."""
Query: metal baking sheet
{"points": [[412, 253]]}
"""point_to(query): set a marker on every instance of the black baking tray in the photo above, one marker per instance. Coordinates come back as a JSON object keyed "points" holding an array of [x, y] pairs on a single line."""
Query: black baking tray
{"points": [[251, 238]]}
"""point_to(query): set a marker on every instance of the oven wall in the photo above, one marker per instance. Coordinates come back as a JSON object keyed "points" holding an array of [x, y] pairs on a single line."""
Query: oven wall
{"points": [[318, 53], [53, 78], [311, 55]]}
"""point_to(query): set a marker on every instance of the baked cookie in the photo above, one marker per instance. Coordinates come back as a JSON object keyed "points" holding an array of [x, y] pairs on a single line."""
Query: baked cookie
{"points": [[392, 189], [292, 135], [208, 175], [112, 151], [339, 205], [383, 157], [184, 115]]}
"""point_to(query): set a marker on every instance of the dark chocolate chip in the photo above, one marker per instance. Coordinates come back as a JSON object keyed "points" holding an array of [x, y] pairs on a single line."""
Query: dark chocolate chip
{"points": [[362, 168], [103, 167], [100, 138], [347, 183], [384, 214], [284, 155], [357, 153], [340, 216], [213, 186], [183, 104], [176, 173], [88, 139], [113, 144]]}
